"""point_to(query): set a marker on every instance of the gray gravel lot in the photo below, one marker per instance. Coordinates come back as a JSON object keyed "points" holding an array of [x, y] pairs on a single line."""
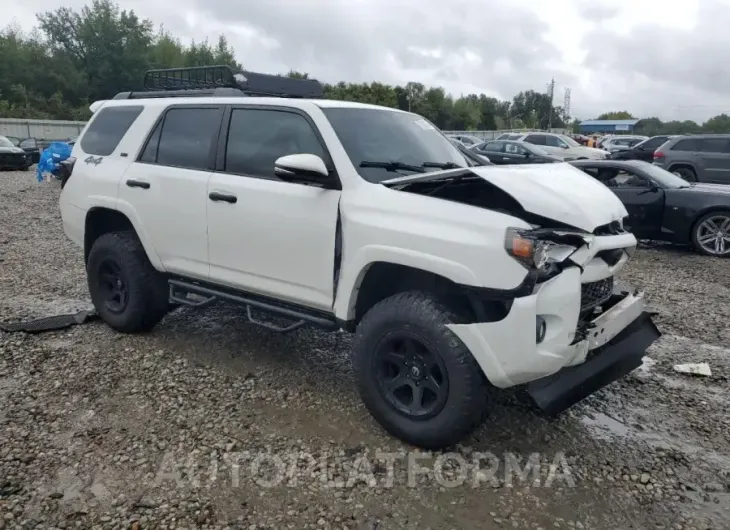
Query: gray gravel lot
{"points": [[209, 422]]}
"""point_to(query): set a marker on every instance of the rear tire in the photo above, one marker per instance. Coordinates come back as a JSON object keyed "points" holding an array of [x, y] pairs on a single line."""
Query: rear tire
{"points": [[451, 402], [704, 234], [127, 292]]}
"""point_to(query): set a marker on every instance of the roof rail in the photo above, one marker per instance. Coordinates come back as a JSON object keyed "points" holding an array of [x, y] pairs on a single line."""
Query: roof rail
{"points": [[220, 81]]}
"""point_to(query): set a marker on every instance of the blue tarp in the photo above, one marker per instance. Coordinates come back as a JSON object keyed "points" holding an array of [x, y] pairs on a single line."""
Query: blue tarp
{"points": [[51, 157]]}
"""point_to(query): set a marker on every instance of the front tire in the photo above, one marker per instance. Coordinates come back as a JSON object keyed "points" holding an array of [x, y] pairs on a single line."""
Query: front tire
{"points": [[415, 376], [711, 234], [127, 291]]}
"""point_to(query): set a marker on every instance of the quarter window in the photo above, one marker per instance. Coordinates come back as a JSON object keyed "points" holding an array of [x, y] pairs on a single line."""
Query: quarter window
{"points": [[108, 128]]}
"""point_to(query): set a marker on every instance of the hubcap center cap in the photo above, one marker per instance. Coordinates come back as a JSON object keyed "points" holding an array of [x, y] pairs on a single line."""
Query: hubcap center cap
{"points": [[415, 372]]}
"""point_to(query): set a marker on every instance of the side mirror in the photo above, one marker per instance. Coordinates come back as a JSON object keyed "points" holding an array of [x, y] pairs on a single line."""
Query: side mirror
{"points": [[653, 188], [304, 168], [564, 146]]}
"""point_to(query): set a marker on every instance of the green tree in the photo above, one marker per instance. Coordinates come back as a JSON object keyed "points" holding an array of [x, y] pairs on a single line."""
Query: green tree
{"points": [[616, 115]]}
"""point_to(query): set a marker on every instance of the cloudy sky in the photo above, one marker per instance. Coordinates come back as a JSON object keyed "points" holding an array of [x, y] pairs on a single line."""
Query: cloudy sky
{"points": [[650, 57]]}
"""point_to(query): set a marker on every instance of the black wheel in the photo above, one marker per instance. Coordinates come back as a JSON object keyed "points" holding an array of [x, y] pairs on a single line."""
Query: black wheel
{"points": [[417, 378], [711, 234], [685, 173], [127, 292]]}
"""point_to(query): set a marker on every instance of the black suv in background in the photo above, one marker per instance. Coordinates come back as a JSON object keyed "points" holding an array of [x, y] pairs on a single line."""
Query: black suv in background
{"points": [[644, 150], [697, 158]]}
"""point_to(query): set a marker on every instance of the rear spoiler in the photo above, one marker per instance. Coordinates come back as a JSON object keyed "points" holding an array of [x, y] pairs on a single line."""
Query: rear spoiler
{"points": [[96, 105]]}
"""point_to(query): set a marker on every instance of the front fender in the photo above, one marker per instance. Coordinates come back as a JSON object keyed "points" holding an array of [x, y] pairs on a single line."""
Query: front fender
{"points": [[355, 268]]}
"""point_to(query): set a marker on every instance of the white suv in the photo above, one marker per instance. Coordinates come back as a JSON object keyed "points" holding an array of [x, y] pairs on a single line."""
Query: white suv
{"points": [[454, 277], [563, 146]]}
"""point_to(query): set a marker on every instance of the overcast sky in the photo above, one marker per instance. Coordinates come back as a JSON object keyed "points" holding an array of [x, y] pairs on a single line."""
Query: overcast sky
{"points": [[650, 57]]}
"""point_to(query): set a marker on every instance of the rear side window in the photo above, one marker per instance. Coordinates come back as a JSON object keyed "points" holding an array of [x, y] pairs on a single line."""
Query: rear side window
{"points": [[184, 138], [653, 143], [714, 145], [108, 128], [494, 147], [258, 137], [536, 139], [690, 144]]}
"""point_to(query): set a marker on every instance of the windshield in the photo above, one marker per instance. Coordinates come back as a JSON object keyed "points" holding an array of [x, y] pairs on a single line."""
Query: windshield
{"points": [[662, 176], [4, 142], [568, 140], [374, 135]]}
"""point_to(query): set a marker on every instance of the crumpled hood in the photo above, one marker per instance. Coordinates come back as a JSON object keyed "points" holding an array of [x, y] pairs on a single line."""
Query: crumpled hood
{"points": [[557, 191]]}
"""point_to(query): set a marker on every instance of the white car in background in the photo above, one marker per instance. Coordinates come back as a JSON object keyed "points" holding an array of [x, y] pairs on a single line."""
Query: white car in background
{"points": [[562, 146], [621, 143]]}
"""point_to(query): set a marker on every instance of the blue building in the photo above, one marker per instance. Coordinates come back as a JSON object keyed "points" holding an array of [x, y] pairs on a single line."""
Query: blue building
{"points": [[589, 127]]}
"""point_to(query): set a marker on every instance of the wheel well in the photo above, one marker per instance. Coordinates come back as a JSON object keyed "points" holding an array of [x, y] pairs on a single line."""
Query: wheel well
{"points": [[100, 221], [683, 165], [386, 279]]}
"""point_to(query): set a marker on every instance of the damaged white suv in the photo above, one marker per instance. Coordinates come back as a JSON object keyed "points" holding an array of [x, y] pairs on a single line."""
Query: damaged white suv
{"points": [[455, 277]]}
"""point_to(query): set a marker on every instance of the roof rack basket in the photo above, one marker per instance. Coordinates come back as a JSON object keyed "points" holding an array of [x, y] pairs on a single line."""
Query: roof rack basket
{"points": [[220, 81]]}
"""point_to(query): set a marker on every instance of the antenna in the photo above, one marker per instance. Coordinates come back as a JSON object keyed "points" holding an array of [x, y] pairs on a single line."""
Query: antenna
{"points": [[551, 94]]}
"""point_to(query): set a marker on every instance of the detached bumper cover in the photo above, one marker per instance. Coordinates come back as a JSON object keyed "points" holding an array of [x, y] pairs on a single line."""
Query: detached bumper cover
{"points": [[611, 361]]}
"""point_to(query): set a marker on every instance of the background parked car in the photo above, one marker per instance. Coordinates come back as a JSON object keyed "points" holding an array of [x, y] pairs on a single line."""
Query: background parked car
{"points": [[12, 156], [511, 152], [697, 158], [509, 136], [642, 151], [29, 145], [562, 146], [664, 207], [466, 139], [622, 143]]}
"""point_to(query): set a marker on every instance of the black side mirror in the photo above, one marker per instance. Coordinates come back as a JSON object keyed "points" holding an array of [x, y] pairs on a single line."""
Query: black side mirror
{"points": [[653, 188]]}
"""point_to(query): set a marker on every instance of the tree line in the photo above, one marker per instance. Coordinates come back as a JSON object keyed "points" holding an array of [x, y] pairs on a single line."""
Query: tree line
{"points": [[73, 58]]}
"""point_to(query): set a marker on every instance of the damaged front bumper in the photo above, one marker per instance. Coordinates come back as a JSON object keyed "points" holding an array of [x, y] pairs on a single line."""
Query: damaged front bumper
{"points": [[576, 356]]}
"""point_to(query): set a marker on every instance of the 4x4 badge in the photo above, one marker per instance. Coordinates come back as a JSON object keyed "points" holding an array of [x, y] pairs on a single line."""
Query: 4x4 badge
{"points": [[93, 160]]}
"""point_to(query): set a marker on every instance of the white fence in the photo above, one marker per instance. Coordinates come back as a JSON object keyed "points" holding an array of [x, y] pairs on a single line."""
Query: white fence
{"points": [[490, 135], [44, 130]]}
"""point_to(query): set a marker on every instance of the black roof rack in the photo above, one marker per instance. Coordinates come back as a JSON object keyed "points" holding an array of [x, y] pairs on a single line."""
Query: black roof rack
{"points": [[220, 81]]}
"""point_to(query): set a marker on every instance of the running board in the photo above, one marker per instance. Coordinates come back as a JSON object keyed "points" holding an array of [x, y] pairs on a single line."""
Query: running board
{"points": [[196, 295]]}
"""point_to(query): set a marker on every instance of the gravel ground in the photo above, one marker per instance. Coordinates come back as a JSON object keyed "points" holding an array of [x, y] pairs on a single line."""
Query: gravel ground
{"points": [[209, 422]]}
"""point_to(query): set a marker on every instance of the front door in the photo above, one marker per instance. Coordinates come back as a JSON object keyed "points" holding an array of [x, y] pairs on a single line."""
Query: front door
{"points": [[265, 235]]}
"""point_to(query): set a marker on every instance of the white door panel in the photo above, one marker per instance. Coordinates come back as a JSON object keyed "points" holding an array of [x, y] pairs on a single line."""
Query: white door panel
{"points": [[278, 239], [173, 212]]}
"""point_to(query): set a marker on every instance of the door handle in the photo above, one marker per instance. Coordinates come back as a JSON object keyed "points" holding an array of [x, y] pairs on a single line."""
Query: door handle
{"points": [[132, 183], [222, 197]]}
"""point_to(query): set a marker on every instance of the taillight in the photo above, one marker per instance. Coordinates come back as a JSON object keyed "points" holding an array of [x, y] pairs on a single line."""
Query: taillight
{"points": [[65, 168], [658, 155]]}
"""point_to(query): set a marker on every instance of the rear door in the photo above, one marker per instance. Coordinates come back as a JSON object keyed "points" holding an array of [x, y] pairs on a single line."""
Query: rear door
{"points": [[494, 151], [166, 186], [715, 159]]}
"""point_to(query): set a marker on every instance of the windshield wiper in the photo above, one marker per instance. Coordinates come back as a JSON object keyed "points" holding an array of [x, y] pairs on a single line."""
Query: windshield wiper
{"points": [[442, 165], [393, 165]]}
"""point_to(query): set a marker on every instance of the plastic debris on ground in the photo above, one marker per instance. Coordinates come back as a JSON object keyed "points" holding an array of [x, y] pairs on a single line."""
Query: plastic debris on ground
{"points": [[50, 159]]}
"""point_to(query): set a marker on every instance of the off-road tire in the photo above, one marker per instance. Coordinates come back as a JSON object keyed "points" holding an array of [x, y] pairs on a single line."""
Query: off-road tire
{"points": [[423, 314], [148, 295]]}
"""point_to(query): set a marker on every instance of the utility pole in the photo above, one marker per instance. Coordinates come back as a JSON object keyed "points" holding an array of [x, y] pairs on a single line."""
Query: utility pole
{"points": [[551, 93]]}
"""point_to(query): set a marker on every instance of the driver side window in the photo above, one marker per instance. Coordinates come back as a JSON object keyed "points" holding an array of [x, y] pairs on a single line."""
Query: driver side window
{"points": [[620, 179], [554, 141]]}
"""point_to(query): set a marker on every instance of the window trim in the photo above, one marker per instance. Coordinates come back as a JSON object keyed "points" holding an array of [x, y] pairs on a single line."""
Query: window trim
{"points": [[95, 118], [220, 158], [161, 122]]}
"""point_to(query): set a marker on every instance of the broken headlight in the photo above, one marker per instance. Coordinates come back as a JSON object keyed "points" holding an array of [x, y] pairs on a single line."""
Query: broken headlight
{"points": [[537, 255]]}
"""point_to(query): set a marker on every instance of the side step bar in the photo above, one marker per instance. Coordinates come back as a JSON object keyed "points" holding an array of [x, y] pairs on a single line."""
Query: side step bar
{"points": [[180, 291]]}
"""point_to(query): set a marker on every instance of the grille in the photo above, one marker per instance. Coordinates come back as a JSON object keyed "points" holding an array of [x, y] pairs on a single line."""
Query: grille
{"points": [[595, 293], [613, 228]]}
